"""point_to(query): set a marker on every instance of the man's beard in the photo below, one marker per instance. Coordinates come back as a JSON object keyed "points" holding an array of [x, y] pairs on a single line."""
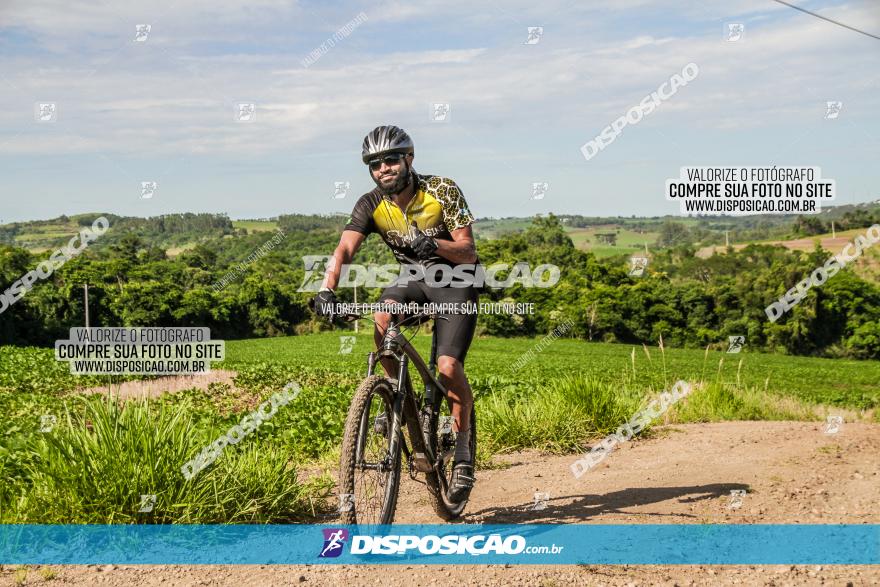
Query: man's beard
{"points": [[399, 184]]}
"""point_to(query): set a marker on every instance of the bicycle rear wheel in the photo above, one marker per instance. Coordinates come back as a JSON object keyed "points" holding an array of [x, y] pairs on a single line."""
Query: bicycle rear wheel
{"points": [[369, 474]]}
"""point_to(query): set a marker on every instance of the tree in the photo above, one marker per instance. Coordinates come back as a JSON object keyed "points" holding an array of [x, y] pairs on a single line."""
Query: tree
{"points": [[127, 248], [200, 257], [673, 233], [809, 226]]}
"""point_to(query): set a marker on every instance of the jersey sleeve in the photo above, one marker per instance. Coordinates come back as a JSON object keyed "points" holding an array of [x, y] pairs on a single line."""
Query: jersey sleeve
{"points": [[456, 213], [361, 219]]}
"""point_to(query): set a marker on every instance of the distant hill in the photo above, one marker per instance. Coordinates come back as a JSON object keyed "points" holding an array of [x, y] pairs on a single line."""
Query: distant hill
{"points": [[166, 231], [603, 236]]}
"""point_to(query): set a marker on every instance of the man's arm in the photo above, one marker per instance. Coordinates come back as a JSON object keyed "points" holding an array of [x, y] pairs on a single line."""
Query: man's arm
{"points": [[458, 219], [461, 249], [348, 245]]}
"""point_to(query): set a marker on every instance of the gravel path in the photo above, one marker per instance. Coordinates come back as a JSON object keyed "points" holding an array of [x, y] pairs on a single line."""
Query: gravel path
{"points": [[792, 471]]}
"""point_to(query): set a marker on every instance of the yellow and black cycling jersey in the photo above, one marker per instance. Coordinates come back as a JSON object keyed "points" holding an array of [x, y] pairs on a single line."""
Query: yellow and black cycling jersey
{"points": [[437, 208]]}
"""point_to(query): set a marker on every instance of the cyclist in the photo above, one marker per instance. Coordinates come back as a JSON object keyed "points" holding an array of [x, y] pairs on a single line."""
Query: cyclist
{"points": [[425, 221]]}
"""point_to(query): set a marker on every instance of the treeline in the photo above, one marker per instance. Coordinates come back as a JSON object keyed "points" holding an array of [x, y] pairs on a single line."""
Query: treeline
{"points": [[295, 222], [167, 229], [690, 301], [674, 233], [857, 218]]}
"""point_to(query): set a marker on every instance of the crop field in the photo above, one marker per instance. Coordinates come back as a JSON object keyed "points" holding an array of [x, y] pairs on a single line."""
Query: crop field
{"points": [[833, 244], [838, 382], [256, 225], [867, 266], [491, 228], [628, 241], [566, 396], [44, 236]]}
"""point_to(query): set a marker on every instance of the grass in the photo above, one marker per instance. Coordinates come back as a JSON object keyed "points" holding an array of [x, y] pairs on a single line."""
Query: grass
{"points": [[102, 455], [95, 466], [717, 403], [315, 361], [557, 418], [836, 382], [178, 249]]}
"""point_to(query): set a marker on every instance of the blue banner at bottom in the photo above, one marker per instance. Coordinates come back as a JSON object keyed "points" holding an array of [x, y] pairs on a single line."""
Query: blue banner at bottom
{"points": [[568, 544]]}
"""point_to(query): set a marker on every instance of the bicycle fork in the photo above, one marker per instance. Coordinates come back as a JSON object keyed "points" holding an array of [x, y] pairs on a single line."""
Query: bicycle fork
{"points": [[404, 409]]}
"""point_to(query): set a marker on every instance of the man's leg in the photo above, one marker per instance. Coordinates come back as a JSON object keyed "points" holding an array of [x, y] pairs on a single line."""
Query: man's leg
{"points": [[382, 320], [454, 335], [461, 397], [461, 402]]}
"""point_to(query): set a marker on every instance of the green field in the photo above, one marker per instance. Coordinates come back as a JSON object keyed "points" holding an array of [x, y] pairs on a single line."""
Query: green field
{"points": [[42, 237], [256, 225], [839, 382], [628, 241], [854, 384], [867, 266], [103, 455]]}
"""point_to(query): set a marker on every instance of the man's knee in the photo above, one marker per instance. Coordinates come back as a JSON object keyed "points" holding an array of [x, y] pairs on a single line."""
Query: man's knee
{"points": [[383, 318], [449, 367]]}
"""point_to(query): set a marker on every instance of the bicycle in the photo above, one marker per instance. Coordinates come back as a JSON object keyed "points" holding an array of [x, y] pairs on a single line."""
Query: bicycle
{"points": [[382, 409]]}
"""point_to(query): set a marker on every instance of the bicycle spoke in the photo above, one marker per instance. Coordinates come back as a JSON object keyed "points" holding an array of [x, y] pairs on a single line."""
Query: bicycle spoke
{"points": [[372, 473]]}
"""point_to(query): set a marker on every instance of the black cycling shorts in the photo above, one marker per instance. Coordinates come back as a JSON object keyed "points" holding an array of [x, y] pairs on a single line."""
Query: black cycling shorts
{"points": [[454, 334]]}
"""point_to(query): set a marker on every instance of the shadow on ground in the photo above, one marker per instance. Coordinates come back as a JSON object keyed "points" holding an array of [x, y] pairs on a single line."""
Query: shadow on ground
{"points": [[580, 508]]}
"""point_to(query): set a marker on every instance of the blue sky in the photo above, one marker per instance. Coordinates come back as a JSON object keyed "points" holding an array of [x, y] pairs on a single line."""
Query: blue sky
{"points": [[163, 109]]}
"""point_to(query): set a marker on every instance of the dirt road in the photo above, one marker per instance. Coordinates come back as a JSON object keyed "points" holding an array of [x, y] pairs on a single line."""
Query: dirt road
{"points": [[793, 473]]}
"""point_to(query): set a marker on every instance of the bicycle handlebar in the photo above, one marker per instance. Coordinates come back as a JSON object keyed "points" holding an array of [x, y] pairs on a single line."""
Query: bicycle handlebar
{"points": [[352, 316]]}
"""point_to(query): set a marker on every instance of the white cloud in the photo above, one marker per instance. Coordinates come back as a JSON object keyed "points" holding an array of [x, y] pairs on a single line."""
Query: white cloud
{"points": [[148, 100]]}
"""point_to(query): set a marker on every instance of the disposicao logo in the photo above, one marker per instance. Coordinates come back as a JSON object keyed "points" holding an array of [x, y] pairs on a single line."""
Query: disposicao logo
{"points": [[334, 539], [451, 544], [454, 544]]}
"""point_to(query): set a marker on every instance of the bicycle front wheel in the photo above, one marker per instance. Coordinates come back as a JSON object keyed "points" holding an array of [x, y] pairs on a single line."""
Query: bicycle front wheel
{"points": [[369, 469]]}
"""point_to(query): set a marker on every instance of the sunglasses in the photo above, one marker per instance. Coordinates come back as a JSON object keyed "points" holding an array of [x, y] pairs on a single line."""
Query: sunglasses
{"points": [[389, 159]]}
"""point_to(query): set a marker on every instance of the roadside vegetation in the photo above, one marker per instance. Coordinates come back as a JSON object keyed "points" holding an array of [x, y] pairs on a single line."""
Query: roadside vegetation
{"points": [[103, 454]]}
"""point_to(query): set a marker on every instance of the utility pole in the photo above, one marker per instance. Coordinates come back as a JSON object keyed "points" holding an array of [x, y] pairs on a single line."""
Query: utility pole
{"points": [[86, 302], [726, 238], [833, 233]]}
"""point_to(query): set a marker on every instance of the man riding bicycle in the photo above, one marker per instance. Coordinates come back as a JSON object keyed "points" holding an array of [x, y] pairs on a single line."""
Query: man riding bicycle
{"points": [[425, 221]]}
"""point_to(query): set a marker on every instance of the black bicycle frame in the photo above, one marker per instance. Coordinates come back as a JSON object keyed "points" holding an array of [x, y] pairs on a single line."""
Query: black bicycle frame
{"points": [[396, 345]]}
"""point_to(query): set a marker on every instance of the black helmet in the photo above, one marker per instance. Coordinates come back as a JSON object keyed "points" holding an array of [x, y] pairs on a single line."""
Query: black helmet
{"points": [[386, 139]]}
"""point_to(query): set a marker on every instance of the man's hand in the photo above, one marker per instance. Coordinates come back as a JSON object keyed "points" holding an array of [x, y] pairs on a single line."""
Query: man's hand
{"points": [[324, 304], [423, 245]]}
